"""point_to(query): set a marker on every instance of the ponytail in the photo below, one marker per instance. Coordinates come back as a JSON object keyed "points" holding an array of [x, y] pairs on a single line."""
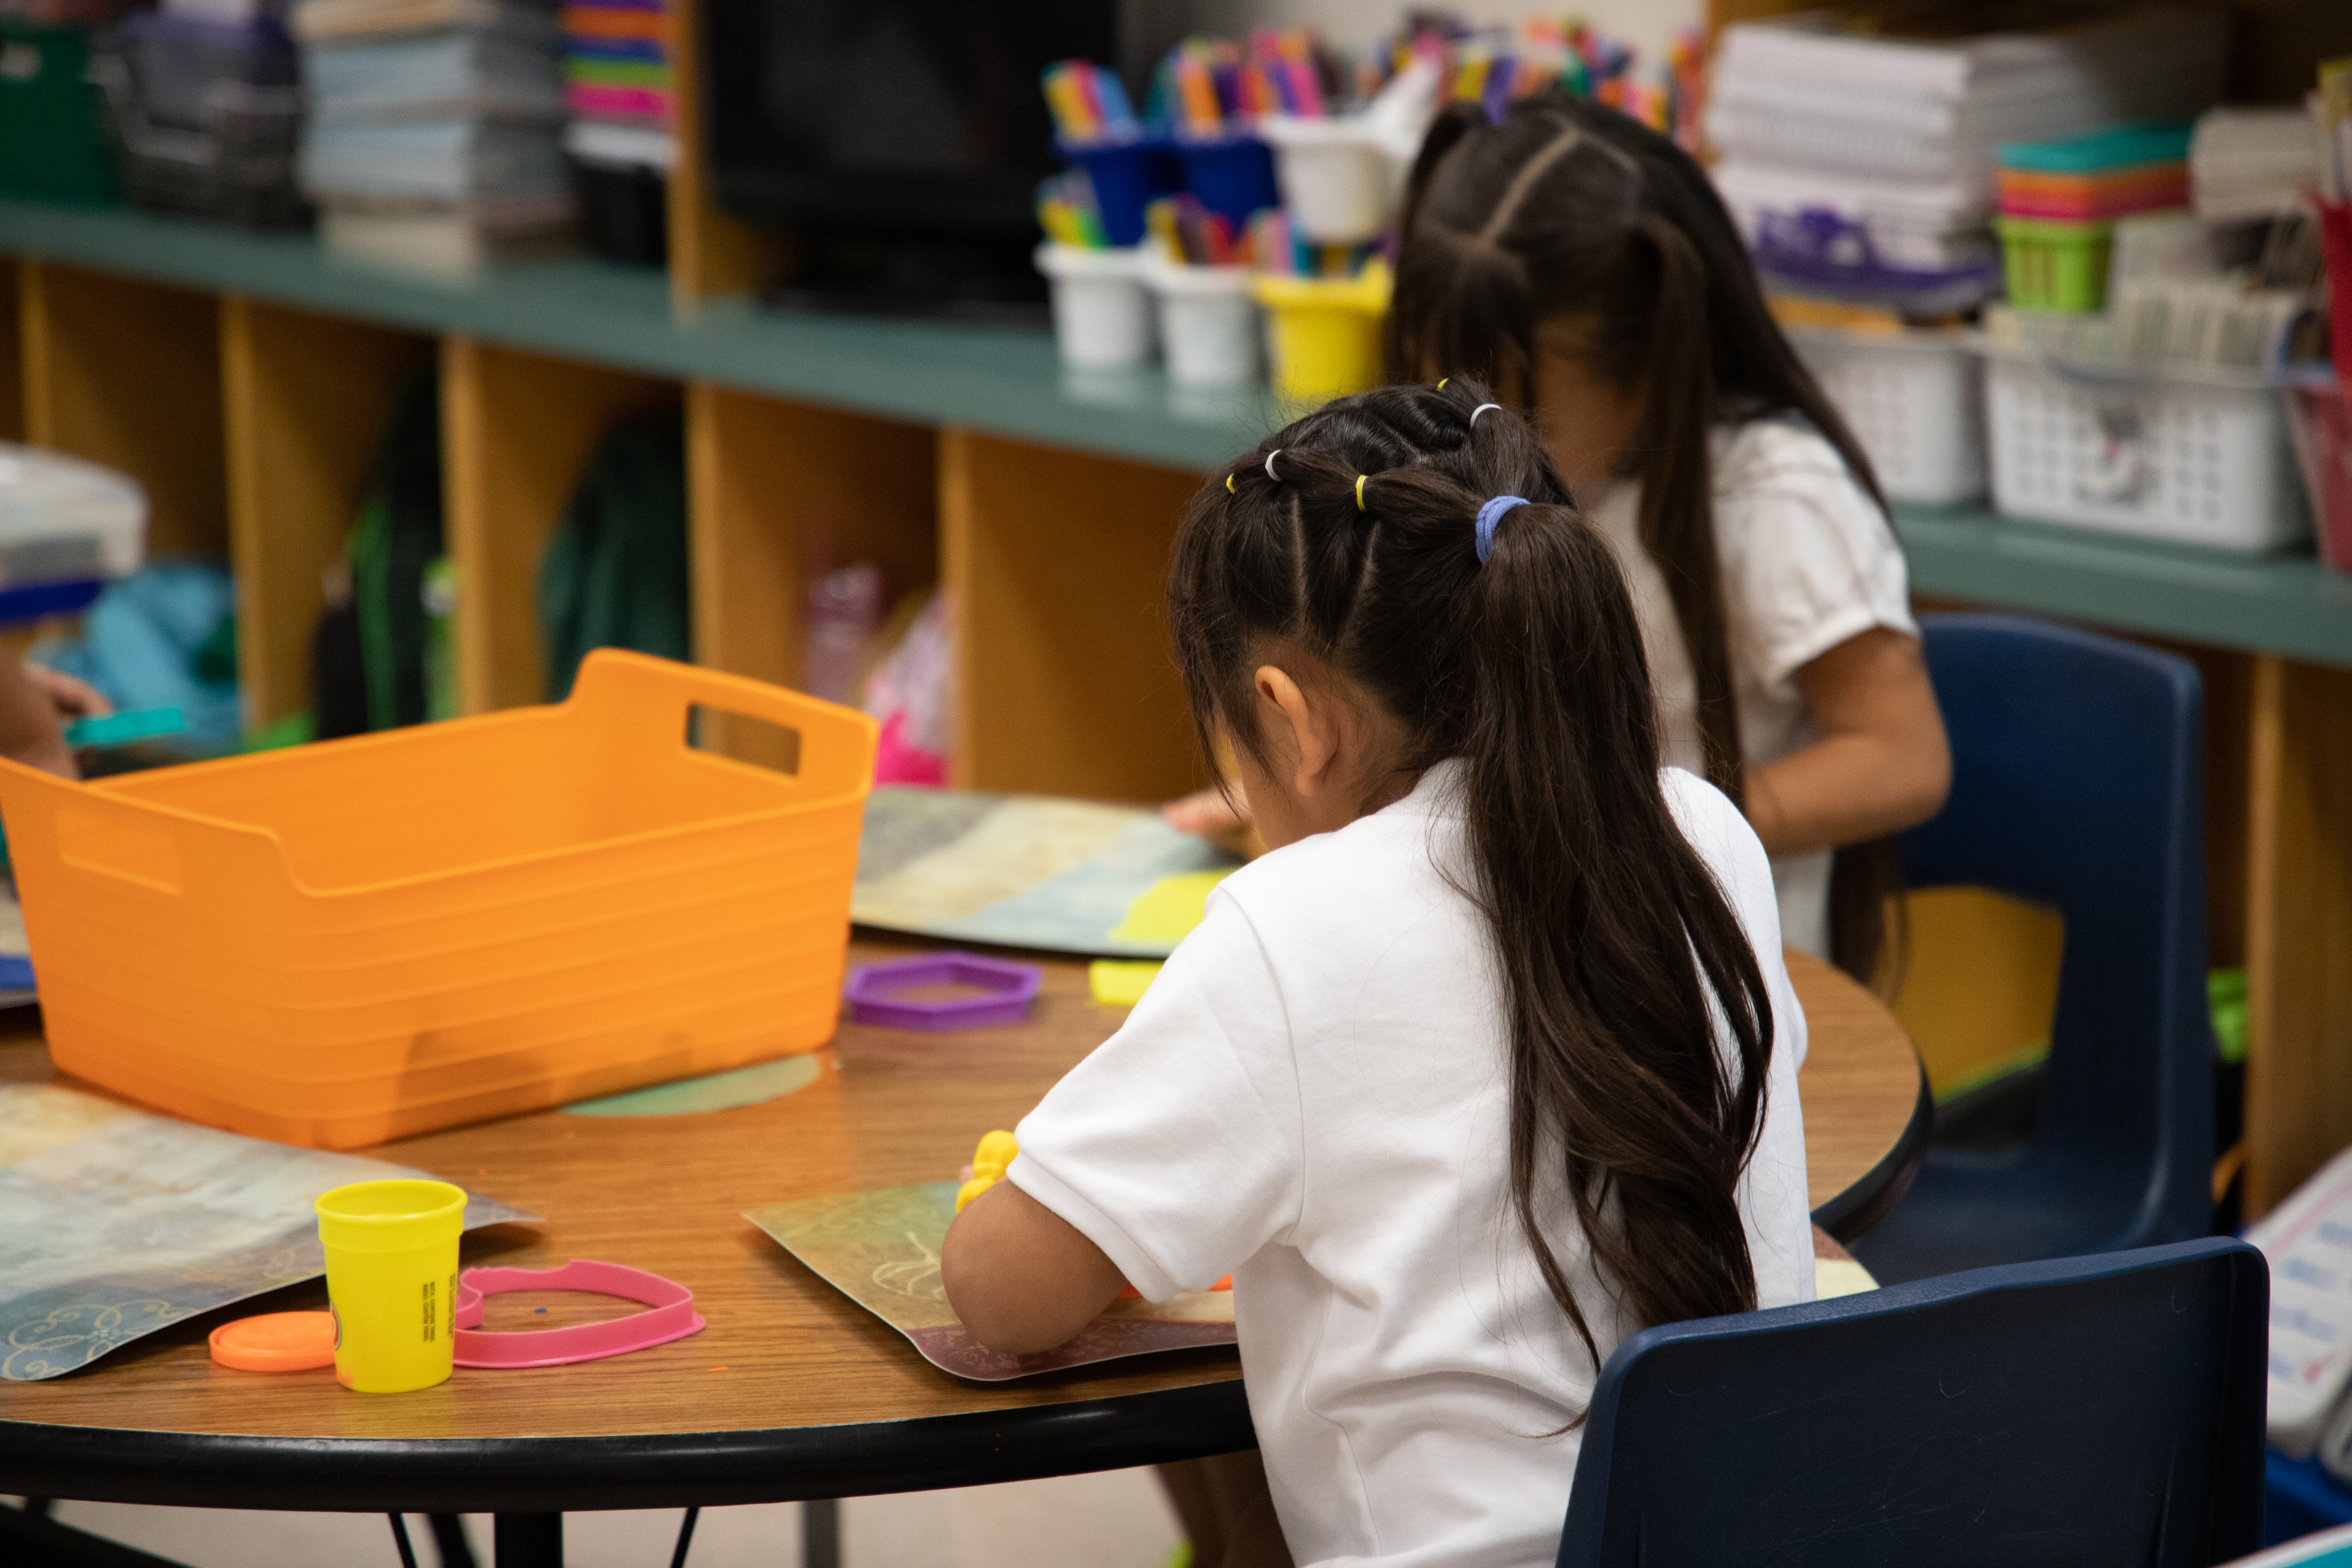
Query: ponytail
{"points": [[1619, 953]]}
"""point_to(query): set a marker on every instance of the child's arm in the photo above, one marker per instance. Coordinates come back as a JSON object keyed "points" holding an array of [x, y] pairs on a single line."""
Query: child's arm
{"points": [[1882, 764], [1022, 1278]]}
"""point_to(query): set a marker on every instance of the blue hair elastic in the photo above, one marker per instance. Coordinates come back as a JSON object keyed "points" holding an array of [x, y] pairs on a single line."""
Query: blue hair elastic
{"points": [[1488, 516]]}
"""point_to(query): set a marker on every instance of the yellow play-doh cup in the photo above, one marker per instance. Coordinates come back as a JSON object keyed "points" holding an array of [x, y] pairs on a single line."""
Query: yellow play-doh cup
{"points": [[1326, 331], [392, 1278]]}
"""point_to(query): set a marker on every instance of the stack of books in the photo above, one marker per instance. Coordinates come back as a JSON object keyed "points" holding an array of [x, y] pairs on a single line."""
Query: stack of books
{"points": [[1895, 134], [434, 137], [2251, 164]]}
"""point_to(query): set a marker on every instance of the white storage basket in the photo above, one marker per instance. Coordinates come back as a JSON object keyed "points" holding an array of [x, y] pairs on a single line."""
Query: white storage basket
{"points": [[1915, 403], [2192, 454]]}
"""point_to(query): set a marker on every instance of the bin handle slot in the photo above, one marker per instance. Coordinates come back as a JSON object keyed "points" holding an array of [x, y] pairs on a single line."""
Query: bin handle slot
{"points": [[745, 737]]}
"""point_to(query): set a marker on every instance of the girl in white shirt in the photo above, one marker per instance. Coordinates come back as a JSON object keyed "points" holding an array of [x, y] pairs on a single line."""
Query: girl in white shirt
{"points": [[1489, 1062], [1583, 265]]}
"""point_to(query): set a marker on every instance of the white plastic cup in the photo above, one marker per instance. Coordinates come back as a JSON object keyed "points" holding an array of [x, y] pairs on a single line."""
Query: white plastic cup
{"points": [[1102, 310], [1338, 179], [1208, 324]]}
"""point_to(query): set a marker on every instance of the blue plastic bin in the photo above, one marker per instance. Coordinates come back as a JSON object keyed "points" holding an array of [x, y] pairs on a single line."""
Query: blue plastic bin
{"points": [[1231, 175], [1127, 177]]}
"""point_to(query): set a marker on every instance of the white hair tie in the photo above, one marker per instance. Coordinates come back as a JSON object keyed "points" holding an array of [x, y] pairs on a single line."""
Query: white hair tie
{"points": [[1270, 456], [1481, 409]]}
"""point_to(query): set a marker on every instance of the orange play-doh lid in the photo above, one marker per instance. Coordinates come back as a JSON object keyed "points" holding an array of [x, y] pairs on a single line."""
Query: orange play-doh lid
{"points": [[277, 1342]]}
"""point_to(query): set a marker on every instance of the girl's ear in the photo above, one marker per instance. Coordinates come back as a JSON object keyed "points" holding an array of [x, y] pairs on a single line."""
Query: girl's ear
{"points": [[1313, 740]]}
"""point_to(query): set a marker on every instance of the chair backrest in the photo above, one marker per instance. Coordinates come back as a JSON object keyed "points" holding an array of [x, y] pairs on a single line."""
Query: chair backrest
{"points": [[2084, 1412], [2078, 784]]}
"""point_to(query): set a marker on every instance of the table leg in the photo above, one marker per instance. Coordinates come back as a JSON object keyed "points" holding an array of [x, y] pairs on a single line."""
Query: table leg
{"points": [[820, 1534], [449, 1538], [530, 1541]]}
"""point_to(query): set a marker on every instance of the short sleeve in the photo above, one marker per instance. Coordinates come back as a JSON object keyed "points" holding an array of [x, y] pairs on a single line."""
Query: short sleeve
{"points": [[1809, 560], [1176, 1146]]}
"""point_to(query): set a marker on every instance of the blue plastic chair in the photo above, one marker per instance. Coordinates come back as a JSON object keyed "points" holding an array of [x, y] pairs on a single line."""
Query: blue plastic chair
{"points": [[2083, 1411], [2077, 785]]}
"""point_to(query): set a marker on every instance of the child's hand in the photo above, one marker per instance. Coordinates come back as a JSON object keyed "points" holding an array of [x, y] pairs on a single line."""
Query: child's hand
{"points": [[73, 698], [1208, 812], [34, 704]]}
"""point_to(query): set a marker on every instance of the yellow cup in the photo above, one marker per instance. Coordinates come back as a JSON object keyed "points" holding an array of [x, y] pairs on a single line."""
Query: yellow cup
{"points": [[392, 1278], [1327, 331]]}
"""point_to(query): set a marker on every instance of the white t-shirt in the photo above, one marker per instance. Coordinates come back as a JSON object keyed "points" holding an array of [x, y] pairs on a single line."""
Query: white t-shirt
{"points": [[1314, 1097], [1809, 562]]}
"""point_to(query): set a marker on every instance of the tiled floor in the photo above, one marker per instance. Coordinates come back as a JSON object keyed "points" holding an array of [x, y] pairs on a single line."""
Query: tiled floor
{"points": [[1116, 1519]]}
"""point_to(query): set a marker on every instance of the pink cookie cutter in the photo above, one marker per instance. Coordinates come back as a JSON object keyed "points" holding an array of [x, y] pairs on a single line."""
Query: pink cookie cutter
{"points": [[669, 1315]]}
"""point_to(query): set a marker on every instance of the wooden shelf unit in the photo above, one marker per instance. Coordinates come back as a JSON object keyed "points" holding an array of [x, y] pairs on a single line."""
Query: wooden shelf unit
{"points": [[254, 424]]}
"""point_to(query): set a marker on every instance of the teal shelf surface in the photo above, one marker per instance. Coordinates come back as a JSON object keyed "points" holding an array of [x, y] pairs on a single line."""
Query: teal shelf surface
{"points": [[1000, 381], [2283, 605], [1008, 383]]}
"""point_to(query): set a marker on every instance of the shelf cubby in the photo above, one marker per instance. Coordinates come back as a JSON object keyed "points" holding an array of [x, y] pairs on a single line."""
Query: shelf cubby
{"points": [[779, 493], [1057, 562], [128, 374], [305, 401], [516, 430], [11, 370]]}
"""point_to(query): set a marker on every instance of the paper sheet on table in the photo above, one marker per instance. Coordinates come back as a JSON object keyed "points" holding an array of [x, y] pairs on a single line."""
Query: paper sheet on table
{"points": [[114, 1223], [1018, 870], [14, 946], [881, 1249]]}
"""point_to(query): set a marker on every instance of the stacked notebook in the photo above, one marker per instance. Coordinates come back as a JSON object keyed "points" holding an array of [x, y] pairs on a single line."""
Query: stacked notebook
{"points": [[616, 74], [2249, 163], [434, 138], [1894, 133]]}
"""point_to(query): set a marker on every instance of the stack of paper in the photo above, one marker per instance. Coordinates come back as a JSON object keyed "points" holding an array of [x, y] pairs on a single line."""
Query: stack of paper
{"points": [[1897, 135], [616, 74], [2308, 1242], [2251, 164], [433, 139]]}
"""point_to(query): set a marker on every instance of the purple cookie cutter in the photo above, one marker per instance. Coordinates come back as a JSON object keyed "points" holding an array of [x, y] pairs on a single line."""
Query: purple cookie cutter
{"points": [[876, 992]]}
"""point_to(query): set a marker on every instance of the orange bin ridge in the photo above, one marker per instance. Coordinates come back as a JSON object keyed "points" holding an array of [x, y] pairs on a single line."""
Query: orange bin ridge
{"points": [[369, 938]]}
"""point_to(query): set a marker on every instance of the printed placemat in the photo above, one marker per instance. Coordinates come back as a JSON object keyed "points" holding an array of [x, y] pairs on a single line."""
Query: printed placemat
{"points": [[115, 1223], [881, 1249]]}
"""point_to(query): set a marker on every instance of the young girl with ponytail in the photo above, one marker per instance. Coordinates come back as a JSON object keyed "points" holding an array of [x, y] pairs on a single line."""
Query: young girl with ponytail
{"points": [[1489, 1062], [1583, 266]]}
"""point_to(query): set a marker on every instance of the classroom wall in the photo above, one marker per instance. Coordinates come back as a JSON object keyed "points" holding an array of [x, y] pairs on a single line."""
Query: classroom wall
{"points": [[1646, 25]]}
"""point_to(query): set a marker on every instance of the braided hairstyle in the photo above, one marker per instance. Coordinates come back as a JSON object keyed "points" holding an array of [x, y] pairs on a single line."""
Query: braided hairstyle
{"points": [[1618, 951], [1568, 224]]}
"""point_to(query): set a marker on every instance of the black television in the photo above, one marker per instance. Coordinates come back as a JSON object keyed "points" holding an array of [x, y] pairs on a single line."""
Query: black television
{"points": [[902, 140]]}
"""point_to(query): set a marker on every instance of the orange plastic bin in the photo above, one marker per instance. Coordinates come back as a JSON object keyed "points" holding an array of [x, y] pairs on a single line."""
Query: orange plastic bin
{"points": [[368, 938]]}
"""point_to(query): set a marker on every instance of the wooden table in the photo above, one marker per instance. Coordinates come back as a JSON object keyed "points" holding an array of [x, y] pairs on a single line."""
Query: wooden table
{"points": [[792, 1392]]}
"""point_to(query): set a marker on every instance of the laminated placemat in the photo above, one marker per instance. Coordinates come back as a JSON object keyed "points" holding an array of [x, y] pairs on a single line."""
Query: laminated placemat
{"points": [[114, 1223], [881, 1249], [1036, 871]]}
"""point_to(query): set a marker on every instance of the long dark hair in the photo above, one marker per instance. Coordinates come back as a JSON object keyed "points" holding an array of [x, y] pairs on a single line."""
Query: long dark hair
{"points": [[1613, 938], [1568, 211]]}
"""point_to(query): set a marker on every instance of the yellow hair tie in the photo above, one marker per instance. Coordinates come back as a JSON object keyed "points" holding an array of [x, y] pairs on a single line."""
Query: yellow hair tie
{"points": [[1442, 381], [1359, 492], [1229, 485]]}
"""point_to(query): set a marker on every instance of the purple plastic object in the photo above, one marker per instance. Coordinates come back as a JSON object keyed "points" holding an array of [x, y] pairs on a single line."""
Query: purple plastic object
{"points": [[874, 992], [1818, 251]]}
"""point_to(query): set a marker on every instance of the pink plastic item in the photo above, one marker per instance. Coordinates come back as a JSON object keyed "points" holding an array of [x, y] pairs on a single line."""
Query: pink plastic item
{"points": [[669, 1315]]}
